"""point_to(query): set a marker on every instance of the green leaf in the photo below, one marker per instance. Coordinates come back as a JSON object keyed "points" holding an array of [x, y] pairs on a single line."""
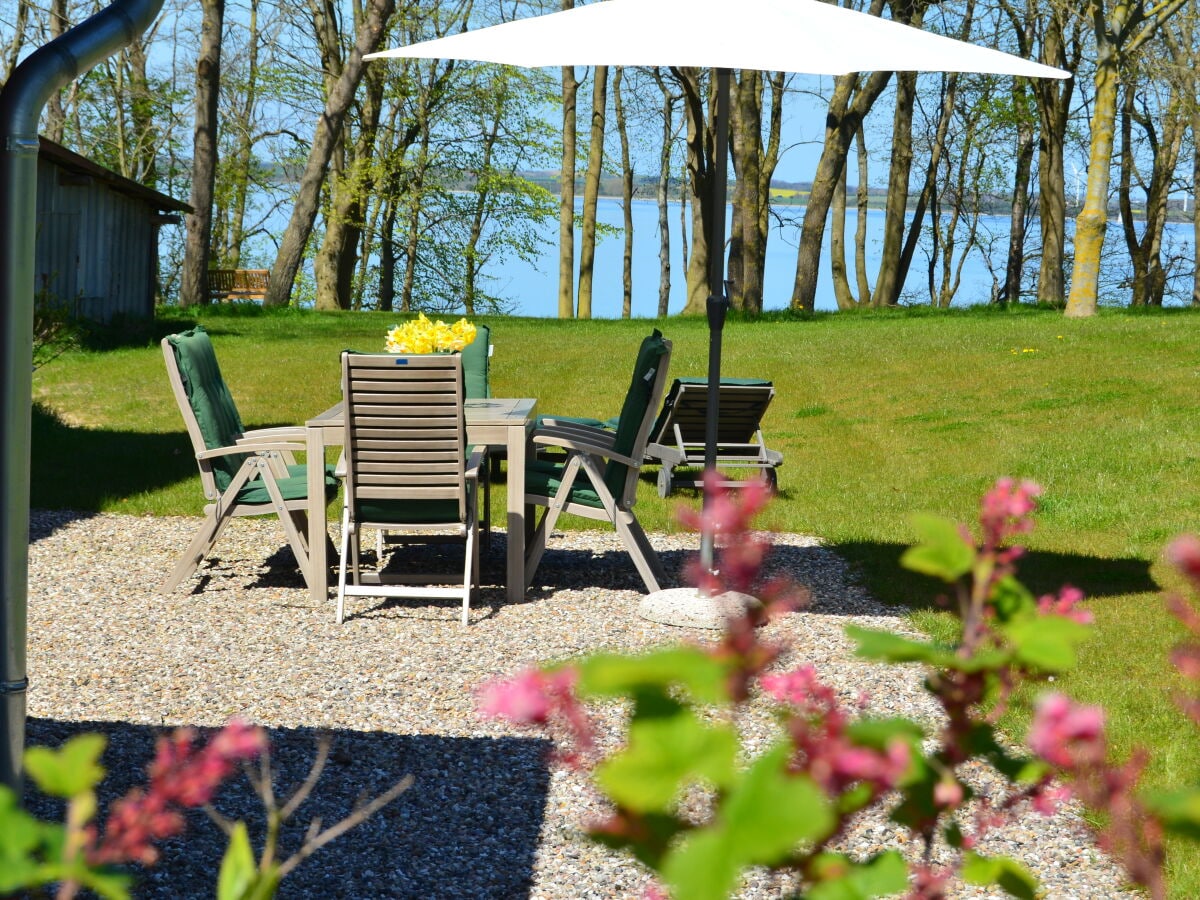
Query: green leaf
{"points": [[238, 867], [770, 810], [840, 878], [762, 819], [1012, 600], [701, 867], [878, 733], [664, 754], [22, 843], [940, 550], [885, 646], [615, 675], [1001, 871], [1178, 810], [1046, 643], [72, 769]]}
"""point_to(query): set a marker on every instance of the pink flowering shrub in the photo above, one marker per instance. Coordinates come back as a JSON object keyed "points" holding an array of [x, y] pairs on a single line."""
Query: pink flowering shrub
{"points": [[183, 775], [786, 807]]}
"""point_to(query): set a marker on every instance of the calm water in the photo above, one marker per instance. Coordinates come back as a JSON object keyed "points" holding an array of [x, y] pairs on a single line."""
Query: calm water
{"points": [[533, 290]]}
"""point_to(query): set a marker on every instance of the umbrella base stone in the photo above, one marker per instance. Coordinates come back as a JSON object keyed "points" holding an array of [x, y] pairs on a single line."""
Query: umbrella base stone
{"points": [[687, 608]]}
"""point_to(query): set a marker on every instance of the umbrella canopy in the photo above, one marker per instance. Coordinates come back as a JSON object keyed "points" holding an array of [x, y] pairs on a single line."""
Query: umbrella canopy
{"points": [[782, 35], [805, 36]]}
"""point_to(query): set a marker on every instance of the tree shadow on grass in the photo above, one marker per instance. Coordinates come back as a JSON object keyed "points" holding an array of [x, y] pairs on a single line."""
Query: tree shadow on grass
{"points": [[468, 827], [1042, 572], [87, 468]]}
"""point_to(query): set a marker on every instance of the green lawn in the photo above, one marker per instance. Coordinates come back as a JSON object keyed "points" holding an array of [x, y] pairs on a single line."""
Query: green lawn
{"points": [[878, 415]]}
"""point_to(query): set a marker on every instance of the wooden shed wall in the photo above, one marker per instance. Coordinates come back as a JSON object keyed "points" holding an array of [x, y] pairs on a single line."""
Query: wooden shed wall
{"points": [[95, 247]]}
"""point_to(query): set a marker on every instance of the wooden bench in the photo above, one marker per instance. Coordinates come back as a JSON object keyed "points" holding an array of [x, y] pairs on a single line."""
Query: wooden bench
{"points": [[225, 285]]}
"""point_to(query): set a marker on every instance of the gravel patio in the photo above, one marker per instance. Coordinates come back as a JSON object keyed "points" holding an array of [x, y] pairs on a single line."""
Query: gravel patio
{"points": [[487, 816]]}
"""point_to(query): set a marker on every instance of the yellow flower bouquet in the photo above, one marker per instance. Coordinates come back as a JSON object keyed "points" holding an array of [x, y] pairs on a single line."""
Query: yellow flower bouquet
{"points": [[424, 336]]}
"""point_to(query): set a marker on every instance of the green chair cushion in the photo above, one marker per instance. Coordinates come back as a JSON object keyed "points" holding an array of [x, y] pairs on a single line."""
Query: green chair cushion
{"points": [[212, 403], [633, 411], [475, 362], [543, 479], [413, 512], [294, 487]]}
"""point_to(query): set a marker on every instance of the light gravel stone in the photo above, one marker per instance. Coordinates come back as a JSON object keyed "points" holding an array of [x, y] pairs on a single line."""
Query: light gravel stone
{"points": [[488, 816]]}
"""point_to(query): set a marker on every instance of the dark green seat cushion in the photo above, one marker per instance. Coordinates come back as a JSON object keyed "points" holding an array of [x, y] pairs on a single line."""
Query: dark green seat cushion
{"points": [[475, 362], [294, 487], [212, 403], [543, 479], [413, 512]]}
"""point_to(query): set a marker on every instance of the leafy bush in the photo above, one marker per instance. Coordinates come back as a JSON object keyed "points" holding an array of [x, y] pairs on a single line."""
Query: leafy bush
{"points": [[786, 807]]}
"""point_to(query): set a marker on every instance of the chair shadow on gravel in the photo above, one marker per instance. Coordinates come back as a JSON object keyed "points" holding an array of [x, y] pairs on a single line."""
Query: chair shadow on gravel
{"points": [[468, 826]]}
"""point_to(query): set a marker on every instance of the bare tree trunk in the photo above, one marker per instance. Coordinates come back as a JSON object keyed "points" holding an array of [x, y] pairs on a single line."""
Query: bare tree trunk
{"points": [[860, 230], [626, 197], [837, 246], [847, 107], [1015, 264], [329, 127], [12, 53], [888, 284], [193, 285], [566, 207], [664, 184], [591, 191], [949, 96], [1164, 133], [700, 175], [1120, 34], [56, 116], [334, 263]]}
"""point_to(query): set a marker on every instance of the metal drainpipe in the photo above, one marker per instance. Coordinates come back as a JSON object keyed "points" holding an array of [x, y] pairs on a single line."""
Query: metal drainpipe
{"points": [[30, 86]]}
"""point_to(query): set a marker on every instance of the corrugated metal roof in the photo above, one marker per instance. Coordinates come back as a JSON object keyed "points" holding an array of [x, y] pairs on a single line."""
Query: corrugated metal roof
{"points": [[68, 159]]}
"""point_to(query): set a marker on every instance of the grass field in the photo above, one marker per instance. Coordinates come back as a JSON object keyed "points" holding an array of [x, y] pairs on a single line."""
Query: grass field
{"points": [[878, 415]]}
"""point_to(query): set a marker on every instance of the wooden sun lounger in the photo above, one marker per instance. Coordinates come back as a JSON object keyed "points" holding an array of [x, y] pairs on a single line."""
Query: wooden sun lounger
{"points": [[678, 436]]}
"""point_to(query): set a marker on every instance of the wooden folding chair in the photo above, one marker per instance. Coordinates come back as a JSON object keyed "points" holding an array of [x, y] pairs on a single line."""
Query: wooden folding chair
{"points": [[598, 478], [407, 470], [243, 473]]}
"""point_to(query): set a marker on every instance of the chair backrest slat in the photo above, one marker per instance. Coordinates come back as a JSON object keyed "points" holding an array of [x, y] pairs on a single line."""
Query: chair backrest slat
{"points": [[742, 402], [405, 434]]}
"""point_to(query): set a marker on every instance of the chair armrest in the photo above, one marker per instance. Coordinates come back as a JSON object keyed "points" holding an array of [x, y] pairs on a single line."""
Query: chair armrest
{"points": [[282, 433], [593, 439], [474, 461], [592, 433], [604, 451], [248, 448]]}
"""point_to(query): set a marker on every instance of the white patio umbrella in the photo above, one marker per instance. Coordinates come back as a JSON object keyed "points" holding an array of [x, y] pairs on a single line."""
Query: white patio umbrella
{"points": [[805, 36]]}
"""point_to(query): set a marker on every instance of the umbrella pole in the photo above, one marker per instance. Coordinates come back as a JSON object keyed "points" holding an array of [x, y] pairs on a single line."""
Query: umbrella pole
{"points": [[718, 301]]}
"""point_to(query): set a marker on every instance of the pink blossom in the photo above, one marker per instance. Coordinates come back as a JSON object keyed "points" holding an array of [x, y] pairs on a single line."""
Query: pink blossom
{"points": [[543, 698], [947, 793], [1047, 800], [1067, 735], [818, 730], [1006, 509], [180, 776], [1184, 554], [1065, 605]]}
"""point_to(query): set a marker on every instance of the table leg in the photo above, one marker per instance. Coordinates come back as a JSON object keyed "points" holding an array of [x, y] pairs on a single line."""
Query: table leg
{"points": [[515, 492], [318, 576]]}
